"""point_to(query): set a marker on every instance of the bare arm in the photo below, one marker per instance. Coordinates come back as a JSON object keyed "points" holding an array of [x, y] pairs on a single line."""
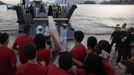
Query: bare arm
{"points": [[77, 62]]}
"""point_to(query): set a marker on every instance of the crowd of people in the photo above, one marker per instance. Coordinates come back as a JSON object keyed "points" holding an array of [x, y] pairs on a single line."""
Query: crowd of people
{"points": [[93, 59], [44, 10], [123, 39]]}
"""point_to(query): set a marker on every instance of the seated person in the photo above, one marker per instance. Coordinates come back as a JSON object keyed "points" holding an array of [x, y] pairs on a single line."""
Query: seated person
{"points": [[91, 44], [7, 56], [79, 51], [22, 40], [44, 55], [94, 65], [31, 67], [64, 66]]}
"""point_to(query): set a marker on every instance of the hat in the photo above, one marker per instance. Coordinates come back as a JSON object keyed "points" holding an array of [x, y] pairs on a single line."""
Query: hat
{"points": [[39, 30]]}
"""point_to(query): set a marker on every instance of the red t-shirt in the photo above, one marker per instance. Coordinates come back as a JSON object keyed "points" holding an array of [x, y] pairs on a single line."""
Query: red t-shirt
{"points": [[44, 54], [132, 59], [7, 58], [31, 69], [53, 70], [19, 44], [80, 71], [79, 52], [108, 67]]}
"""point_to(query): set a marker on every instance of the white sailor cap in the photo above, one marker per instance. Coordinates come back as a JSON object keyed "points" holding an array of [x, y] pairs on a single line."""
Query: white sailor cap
{"points": [[39, 29]]}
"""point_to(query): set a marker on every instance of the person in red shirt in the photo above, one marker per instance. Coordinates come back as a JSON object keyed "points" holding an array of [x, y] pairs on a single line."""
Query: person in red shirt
{"points": [[79, 51], [21, 41], [31, 67], [7, 56], [64, 66], [44, 55], [132, 53]]}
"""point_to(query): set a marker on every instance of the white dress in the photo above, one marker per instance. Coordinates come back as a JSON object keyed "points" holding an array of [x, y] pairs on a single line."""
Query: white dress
{"points": [[63, 37]]}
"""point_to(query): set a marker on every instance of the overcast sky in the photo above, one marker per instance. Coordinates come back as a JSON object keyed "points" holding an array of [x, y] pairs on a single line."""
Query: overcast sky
{"points": [[17, 1]]}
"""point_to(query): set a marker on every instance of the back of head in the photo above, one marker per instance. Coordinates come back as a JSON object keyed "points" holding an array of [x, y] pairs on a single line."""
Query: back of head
{"points": [[26, 28], [93, 64], [39, 41], [91, 42], [124, 25], [78, 36], [104, 45], [3, 38], [30, 51], [65, 60]]}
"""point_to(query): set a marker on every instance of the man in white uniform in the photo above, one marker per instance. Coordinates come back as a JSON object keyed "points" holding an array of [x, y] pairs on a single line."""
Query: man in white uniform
{"points": [[63, 36]]}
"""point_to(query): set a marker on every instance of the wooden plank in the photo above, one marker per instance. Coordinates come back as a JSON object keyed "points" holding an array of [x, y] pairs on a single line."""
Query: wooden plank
{"points": [[53, 29], [56, 19]]}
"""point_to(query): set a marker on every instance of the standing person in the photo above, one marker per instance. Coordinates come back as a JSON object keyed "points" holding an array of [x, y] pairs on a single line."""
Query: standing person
{"points": [[31, 67], [41, 11], [46, 10], [31, 10], [23, 3], [20, 41], [50, 11], [28, 17], [79, 51], [115, 36], [63, 35], [7, 56]]}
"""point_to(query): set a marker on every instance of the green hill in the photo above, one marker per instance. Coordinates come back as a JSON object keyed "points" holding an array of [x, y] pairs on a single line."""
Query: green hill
{"points": [[2, 3]]}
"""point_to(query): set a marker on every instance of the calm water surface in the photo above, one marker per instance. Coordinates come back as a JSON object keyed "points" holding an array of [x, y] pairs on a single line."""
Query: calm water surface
{"points": [[91, 19]]}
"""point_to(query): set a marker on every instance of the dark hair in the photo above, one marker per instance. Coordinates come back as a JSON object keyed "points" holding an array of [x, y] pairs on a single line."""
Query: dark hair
{"points": [[93, 64], [26, 28], [65, 60], [30, 51], [39, 41], [104, 45], [91, 42], [78, 36], [3, 38]]}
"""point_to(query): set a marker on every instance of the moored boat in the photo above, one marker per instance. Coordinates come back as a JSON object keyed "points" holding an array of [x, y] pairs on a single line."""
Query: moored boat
{"points": [[63, 17]]}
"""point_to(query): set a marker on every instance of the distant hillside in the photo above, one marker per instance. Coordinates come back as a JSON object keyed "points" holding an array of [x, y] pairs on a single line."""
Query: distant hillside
{"points": [[89, 2], [2, 3], [118, 2]]}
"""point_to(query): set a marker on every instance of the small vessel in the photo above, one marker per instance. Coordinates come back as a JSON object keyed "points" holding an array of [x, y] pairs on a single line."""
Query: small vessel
{"points": [[64, 16]]}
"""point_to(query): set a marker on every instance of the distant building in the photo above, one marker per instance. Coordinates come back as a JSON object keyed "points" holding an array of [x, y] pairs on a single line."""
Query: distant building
{"points": [[70, 1], [89, 2]]}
